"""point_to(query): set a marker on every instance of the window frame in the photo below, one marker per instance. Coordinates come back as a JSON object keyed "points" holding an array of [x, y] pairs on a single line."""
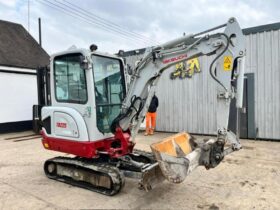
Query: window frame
{"points": [[55, 86]]}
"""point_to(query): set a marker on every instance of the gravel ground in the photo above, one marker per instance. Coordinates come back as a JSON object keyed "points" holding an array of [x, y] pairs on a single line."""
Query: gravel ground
{"points": [[248, 179]]}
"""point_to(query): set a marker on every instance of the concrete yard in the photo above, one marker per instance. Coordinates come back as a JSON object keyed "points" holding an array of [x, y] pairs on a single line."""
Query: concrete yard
{"points": [[248, 179]]}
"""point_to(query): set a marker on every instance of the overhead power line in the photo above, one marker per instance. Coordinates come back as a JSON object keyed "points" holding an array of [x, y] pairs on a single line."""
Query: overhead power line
{"points": [[104, 23], [75, 14], [85, 14], [110, 23]]}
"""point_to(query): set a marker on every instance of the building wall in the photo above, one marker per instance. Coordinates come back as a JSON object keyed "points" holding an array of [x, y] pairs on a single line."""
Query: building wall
{"points": [[190, 104], [18, 92], [263, 60], [187, 104]]}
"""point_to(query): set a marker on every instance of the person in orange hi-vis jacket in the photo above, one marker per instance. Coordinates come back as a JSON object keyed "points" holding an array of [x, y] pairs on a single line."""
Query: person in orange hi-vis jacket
{"points": [[151, 116]]}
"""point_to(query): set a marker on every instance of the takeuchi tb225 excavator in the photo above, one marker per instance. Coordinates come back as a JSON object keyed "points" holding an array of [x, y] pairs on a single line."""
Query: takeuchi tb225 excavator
{"points": [[92, 114]]}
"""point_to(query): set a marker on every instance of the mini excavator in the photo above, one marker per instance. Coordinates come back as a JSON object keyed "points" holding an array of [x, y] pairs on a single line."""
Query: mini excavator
{"points": [[93, 116]]}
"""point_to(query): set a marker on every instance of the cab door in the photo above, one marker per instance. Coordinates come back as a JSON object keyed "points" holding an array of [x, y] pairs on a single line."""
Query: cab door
{"points": [[110, 89]]}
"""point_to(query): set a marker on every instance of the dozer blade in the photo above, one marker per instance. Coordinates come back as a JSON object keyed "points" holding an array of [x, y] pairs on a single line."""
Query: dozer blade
{"points": [[177, 156]]}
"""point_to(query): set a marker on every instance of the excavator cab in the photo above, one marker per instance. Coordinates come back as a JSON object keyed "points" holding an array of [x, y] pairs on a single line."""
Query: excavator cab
{"points": [[90, 83]]}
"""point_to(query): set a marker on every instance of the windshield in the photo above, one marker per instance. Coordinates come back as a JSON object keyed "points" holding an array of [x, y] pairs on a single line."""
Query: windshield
{"points": [[109, 90]]}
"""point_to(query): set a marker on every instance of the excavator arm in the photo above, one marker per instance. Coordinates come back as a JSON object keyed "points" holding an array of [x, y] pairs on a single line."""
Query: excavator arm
{"points": [[178, 156]]}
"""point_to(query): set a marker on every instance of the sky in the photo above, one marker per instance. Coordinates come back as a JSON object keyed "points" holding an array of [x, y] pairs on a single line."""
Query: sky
{"points": [[130, 24]]}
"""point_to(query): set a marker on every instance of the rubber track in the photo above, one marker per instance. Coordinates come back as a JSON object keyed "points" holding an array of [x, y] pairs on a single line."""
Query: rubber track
{"points": [[117, 178]]}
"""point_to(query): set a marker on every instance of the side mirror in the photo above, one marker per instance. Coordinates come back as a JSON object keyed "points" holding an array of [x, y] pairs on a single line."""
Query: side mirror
{"points": [[124, 61], [83, 62]]}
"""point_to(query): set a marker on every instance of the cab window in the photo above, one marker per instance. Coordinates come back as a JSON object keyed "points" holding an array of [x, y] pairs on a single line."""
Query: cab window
{"points": [[70, 80]]}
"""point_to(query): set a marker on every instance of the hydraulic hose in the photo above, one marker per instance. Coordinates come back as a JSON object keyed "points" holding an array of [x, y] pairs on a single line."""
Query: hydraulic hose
{"points": [[218, 56]]}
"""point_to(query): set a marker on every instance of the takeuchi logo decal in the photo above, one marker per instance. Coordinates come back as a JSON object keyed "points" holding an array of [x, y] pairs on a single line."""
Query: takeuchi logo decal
{"points": [[180, 57], [61, 125], [186, 69]]}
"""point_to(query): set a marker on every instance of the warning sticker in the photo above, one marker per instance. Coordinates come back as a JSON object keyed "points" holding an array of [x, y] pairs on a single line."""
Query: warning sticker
{"points": [[227, 63]]}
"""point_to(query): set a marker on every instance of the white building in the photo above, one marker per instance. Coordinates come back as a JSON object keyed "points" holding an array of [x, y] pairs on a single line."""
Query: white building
{"points": [[20, 55]]}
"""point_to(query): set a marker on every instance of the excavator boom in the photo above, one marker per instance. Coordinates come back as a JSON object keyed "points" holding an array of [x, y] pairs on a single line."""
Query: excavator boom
{"points": [[179, 155], [228, 49]]}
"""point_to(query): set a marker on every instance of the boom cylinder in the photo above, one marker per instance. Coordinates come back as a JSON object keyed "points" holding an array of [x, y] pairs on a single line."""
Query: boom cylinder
{"points": [[174, 42], [240, 82]]}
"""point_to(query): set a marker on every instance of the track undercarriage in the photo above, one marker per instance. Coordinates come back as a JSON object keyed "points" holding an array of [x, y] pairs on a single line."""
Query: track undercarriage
{"points": [[105, 175]]}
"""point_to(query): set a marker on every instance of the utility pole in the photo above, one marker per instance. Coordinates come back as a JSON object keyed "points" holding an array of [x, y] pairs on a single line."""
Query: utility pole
{"points": [[28, 15], [40, 34]]}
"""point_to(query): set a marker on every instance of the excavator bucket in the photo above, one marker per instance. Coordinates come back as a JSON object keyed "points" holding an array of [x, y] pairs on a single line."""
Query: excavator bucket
{"points": [[176, 156]]}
